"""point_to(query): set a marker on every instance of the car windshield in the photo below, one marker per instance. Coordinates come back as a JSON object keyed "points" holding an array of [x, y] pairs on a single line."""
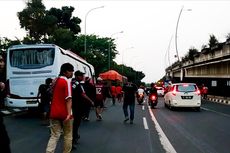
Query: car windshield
{"points": [[186, 88]]}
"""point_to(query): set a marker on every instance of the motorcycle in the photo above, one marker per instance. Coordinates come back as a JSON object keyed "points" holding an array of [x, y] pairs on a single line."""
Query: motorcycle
{"points": [[153, 100], [140, 98]]}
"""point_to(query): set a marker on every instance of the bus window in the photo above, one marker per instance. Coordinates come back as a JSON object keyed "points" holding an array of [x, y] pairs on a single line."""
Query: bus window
{"points": [[31, 58]]}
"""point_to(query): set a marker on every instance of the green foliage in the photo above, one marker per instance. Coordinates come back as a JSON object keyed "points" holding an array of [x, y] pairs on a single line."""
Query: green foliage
{"points": [[6, 43], [228, 36], [63, 38], [63, 19], [32, 19], [43, 25], [191, 53], [97, 50], [212, 41], [58, 26]]}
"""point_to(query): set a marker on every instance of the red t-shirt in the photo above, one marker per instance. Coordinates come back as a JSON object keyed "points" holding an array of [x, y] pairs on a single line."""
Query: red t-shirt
{"points": [[99, 92], [113, 91], [62, 91], [118, 89]]}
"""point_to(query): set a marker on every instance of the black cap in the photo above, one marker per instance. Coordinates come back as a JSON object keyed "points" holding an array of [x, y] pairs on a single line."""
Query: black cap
{"points": [[79, 73]]}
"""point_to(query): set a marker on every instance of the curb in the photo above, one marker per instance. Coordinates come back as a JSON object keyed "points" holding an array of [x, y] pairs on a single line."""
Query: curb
{"points": [[222, 101]]}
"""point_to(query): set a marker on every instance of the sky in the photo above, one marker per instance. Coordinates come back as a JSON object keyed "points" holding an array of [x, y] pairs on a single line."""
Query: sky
{"points": [[144, 30]]}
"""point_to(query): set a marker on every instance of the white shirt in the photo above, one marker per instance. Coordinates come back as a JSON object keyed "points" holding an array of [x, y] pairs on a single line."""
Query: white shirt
{"points": [[140, 91]]}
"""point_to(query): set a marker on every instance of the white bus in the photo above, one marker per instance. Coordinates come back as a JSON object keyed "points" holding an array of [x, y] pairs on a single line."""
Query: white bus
{"points": [[28, 66]]}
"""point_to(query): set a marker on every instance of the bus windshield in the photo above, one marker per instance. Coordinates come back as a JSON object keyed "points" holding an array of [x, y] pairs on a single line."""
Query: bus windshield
{"points": [[31, 58]]}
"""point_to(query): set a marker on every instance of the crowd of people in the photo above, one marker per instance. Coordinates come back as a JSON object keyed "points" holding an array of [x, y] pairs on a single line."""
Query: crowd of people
{"points": [[64, 104], [71, 102]]}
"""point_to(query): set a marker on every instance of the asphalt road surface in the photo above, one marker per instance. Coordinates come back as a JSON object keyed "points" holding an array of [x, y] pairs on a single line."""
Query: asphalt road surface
{"points": [[158, 130]]}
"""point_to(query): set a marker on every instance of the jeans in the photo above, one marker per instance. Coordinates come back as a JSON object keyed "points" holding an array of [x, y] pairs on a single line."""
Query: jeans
{"points": [[131, 109], [56, 128]]}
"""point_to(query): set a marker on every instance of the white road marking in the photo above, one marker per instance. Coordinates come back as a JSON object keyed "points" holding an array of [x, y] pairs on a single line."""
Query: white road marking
{"points": [[143, 107], [5, 112], [226, 115], [163, 138], [17, 110], [145, 123]]}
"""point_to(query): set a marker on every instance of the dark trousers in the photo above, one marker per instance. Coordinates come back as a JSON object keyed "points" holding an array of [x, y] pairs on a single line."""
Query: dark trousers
{"points": [[87, 108], [131, 109], [4, 138], [76, 125]]}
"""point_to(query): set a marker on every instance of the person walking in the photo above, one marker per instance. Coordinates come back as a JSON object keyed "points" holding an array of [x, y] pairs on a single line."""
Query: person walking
{"points": [[91, 93], [2, 95], [129, 90], [60, 113], [45, 96], [100, 98], [79, 98], [4, 138], [204, 91], [119, 92], [113, 93]]}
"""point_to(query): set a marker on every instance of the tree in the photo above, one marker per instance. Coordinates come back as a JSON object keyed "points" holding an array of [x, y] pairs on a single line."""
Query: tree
{"points": [[32, 19], [228, 36], [58, 26], [63, 38], [63, 19], [97, 50], [43, 25], [191, 53], [5, 43], [212, 41]]}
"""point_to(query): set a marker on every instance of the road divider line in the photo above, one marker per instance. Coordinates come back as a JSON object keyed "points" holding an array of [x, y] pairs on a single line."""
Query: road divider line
{"points": [[145, 123], [17, 110], [143, 107], [163, 138], [226, 115], [5, 112]]}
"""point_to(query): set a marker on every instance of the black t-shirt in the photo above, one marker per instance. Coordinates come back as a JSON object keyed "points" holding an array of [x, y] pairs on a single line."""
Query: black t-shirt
{"points": [[129, 92], [77, 98], [90, 90], [153, 90], [45, 95]]}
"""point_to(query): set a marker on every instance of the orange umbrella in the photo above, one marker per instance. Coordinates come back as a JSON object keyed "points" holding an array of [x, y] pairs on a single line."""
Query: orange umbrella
{"points": [[111, 75]]}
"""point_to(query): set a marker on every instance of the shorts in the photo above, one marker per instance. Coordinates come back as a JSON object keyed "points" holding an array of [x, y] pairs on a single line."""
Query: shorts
{"points": [[99, 103]]}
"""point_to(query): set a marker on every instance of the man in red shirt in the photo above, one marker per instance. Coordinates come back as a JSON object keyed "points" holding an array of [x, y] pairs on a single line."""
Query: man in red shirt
{"points": [[119, 93], [60, 113], [113, 93], [100, 97]]}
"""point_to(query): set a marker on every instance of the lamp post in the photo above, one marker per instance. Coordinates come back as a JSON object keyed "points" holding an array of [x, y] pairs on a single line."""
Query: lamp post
{"points": [[123, 58], [182, 9], [85, 23], [109, 49]]}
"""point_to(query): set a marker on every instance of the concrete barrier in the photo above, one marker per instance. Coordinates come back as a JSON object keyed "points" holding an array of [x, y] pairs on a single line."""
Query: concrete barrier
{"points": [[219, 99]]}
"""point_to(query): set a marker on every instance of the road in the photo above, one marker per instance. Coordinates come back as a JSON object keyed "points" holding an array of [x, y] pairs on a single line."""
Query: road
{"points": [[156, 130]]}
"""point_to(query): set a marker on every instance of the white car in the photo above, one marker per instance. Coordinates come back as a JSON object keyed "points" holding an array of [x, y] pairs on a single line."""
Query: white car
{"points": [[160, 91], [183, 95]]}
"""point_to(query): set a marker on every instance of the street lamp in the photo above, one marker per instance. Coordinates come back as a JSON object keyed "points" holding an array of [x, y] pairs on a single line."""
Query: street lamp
{"points": [[123, 58], [182, 9], [181, 71], [85, 22], [109, 50]]}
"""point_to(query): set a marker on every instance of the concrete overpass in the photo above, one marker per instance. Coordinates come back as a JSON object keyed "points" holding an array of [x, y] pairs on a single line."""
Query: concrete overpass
{"points": [[210, 67]]}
